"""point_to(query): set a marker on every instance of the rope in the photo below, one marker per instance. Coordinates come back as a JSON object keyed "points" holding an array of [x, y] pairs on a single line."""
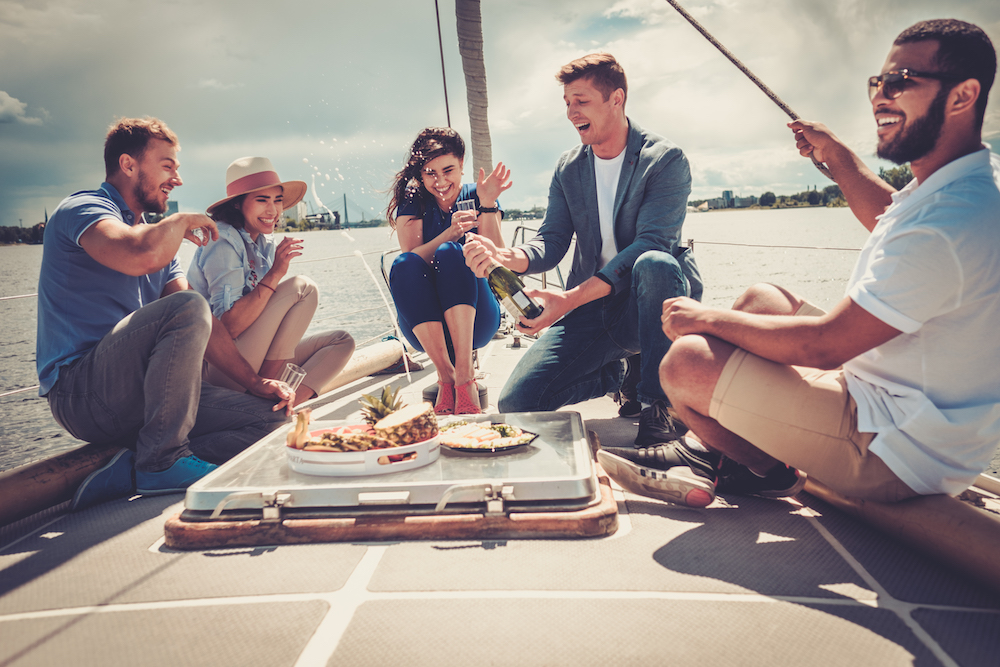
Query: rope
{"points": [[18, 391], [444, 80], [326, 259], [19, 296], [761, 245], [743, 68]]}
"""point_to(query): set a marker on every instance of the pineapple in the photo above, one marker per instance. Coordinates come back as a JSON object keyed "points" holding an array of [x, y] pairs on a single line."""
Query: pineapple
{"points": [[373, 408], [414, 423], [396, 422]]}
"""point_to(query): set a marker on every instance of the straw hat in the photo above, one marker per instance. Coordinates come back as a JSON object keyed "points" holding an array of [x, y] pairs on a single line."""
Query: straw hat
{"points": [[250, 174]]}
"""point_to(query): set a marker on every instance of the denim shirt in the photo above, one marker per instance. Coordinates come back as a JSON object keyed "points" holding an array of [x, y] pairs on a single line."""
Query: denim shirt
{"points": [[229, 267]]}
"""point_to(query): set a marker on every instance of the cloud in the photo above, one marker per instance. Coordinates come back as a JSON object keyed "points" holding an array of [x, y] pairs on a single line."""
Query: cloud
{"points": [[12, 110], [351, 101], [215, 84]]}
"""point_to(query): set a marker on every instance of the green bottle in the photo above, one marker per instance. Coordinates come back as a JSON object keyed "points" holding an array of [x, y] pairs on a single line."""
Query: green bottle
{"points": [[509, 291]]}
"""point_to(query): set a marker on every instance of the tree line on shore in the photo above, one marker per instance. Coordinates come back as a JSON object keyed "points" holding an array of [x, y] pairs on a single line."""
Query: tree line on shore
{"points": [[831, 195]]}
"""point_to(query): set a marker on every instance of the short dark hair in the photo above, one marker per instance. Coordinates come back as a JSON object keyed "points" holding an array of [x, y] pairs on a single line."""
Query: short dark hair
{"points": [[964, 50], [603, 70], [131, 136]]}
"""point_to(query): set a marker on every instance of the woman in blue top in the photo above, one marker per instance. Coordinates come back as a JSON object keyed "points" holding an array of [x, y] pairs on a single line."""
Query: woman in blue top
{"points": [[442, 306], [242, 274]]}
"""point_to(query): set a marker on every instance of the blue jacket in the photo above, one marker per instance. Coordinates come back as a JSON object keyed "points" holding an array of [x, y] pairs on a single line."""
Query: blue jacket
{"points": [[649, 212]]}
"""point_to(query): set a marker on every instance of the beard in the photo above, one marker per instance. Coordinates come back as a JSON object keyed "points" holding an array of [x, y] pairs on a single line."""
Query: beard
{"points": [[919, 137], [148, 195]]}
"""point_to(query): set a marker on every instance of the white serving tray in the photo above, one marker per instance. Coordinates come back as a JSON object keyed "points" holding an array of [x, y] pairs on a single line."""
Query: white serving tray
{"points": [[371, 462]]}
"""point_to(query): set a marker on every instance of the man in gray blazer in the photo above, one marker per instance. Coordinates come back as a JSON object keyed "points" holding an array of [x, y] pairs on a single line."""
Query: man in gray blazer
{"points": [[624, 194]]}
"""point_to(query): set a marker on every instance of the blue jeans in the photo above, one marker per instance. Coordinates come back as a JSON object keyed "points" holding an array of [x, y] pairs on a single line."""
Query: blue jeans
{"points": [[579, 357], [423, 293], [141, 387]]}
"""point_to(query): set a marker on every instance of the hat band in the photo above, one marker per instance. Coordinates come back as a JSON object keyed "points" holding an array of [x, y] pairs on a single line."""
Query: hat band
{"points": [[261, 179]]}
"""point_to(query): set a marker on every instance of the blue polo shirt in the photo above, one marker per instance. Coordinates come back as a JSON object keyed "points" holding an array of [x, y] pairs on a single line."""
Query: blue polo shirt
{"points": [[79, 299]]}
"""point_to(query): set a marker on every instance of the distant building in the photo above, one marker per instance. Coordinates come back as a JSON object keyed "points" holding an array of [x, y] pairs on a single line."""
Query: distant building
{"points": [[744, 202], [727, 197]]}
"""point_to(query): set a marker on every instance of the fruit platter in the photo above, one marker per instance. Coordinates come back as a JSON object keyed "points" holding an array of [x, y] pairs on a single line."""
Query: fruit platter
{"points": [[393, 437], [483, 436]]}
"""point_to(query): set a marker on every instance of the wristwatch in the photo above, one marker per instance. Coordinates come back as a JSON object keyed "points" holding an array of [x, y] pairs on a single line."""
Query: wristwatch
{"points": [[488, 209]]}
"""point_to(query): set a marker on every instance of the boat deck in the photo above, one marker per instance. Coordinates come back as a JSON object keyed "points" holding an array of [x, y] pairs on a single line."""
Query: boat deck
{"points": [[745, 581]]}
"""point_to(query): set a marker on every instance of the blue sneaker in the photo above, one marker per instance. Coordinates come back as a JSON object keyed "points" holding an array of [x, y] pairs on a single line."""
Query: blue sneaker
{"points": [[113, 480], [182, 474]]}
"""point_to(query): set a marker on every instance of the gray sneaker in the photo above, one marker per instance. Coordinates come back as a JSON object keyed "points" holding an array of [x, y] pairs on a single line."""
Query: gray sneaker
{"points": [[671, 472]]}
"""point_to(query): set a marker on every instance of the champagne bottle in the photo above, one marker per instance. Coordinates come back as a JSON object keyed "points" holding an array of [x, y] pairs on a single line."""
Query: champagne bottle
{"points": [[509, 290]]}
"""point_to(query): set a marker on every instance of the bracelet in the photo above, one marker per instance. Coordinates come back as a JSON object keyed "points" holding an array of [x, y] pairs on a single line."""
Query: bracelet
{"points": [[488, 209], [267, 286]]}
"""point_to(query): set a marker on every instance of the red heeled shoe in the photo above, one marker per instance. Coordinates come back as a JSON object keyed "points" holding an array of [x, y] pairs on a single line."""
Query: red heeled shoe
{"points": [[463, 404], [445, 399]]}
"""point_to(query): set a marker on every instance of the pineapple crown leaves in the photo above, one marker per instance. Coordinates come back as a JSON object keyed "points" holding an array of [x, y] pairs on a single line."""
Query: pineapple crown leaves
{"points": [[375, 408]]}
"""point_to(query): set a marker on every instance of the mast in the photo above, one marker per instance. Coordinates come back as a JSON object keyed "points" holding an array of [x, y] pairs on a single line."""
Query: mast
{"points": [[470, 44]]}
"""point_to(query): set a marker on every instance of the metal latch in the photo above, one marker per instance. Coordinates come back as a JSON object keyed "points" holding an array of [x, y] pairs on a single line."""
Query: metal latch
{"points": [[492, 494], [271, 503]]}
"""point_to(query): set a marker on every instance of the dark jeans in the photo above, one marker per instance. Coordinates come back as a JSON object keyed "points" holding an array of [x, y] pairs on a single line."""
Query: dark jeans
{"points": [[423, 293], [578, 358]]}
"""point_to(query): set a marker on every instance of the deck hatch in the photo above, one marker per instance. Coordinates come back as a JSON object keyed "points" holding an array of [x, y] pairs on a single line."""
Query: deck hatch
{"points": [[554, 472]]}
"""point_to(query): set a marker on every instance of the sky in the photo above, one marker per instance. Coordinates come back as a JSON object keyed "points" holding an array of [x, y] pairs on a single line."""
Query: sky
{"points": [[334, 91]]}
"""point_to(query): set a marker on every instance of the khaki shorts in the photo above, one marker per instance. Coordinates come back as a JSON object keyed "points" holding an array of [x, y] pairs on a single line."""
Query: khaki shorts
{"points": [[806, 418]]}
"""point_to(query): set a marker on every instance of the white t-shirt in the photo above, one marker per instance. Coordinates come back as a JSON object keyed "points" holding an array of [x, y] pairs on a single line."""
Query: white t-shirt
{"points": [[931, 268], [607, 173]]}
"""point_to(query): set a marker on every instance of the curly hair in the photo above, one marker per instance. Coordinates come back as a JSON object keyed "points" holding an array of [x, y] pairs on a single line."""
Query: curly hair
{"points": [[431, 143]]}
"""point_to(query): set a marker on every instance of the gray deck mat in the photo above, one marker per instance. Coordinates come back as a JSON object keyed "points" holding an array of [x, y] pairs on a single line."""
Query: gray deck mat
{"points": [[745, 581]]}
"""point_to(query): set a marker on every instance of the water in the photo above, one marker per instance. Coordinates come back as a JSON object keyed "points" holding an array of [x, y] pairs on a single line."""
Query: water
{"points": [[348, 300], [734, 249]]}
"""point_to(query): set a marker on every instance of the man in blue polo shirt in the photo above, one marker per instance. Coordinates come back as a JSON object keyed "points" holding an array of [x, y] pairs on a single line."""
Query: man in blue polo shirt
{"points": [[121, 337]]}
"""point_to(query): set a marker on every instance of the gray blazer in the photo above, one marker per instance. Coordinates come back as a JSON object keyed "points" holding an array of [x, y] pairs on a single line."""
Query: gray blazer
{"points": [[649, 211]]}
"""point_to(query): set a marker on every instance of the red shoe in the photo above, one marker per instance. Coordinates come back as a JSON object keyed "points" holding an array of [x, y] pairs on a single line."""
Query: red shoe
{"points": [[463, 404], [446, 399]]}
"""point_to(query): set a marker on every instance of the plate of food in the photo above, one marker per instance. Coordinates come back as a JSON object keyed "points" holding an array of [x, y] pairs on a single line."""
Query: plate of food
{"points": [[394, 438], [483, 437]]}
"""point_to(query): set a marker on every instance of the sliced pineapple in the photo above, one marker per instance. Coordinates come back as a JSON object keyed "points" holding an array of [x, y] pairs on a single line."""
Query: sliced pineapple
{"points": [[413, 423], [374, 408]]}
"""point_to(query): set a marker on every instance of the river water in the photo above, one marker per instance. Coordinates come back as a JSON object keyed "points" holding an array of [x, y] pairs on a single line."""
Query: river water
{"points": [[809, 251]]}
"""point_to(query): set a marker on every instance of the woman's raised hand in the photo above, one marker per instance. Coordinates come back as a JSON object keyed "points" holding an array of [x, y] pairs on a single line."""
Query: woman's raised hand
{"points": [[489, 187], [283, 254]]}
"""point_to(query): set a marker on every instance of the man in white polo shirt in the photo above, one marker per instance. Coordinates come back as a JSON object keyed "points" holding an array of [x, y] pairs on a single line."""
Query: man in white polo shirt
{"points": [[893, 393]]}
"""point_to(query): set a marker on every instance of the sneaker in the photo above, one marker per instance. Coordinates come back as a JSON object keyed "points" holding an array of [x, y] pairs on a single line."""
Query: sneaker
{"points": [[781, 481], [669, 472], [630, 408], [657, 427], [113, 480], [182, 474]]}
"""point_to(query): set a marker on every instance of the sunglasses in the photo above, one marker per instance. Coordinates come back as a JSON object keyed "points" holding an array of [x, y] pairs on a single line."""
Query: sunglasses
{"points": [[893, 84]]}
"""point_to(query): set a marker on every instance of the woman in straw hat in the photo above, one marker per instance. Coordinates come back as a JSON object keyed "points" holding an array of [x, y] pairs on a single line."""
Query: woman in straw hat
{"points": [[242, 276], [440, 302]]}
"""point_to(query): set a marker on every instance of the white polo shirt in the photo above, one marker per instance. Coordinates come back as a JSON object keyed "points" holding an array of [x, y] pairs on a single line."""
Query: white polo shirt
{"points": [[931, 268]]}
